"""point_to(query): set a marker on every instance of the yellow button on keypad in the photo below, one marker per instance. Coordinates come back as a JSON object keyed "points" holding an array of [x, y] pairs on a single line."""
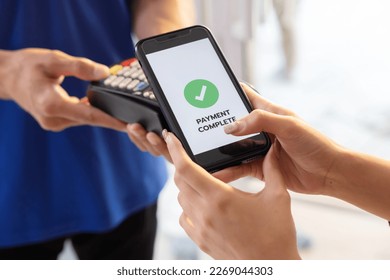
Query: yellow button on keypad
{"points": [[114, 69]]}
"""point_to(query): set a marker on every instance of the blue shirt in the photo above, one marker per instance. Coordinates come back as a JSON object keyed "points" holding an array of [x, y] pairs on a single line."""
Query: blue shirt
{"points": [[83, 179]]}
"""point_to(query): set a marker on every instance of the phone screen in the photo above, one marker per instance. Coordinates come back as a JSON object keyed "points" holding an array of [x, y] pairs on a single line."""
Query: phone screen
{"points": [[200, 93]]}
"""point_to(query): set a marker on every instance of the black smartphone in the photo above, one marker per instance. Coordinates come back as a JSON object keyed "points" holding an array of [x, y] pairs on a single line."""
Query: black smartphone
{"points": [[198, 94]]}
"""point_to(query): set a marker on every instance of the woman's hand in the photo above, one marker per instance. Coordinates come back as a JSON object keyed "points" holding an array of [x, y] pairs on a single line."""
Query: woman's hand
{"points": [[305, 156], [230, 224]]}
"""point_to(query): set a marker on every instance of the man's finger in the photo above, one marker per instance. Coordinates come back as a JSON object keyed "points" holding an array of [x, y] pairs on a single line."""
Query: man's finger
{"points": [[159, 145], [87, 115], [55, 124], [58, 64], [132, 130]]}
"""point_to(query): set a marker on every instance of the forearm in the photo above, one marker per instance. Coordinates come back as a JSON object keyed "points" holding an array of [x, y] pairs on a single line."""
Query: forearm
{"points": [[362, 180], [152, 17]]}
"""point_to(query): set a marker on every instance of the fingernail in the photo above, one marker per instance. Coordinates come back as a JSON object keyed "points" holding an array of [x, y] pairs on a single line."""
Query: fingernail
{"points": [[165, 135], [135, 129], [101, 71], [128, 127], [154, 140], [231, 128]]}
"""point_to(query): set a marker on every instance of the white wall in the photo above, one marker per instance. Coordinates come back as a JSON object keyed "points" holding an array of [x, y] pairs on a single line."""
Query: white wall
{"points": [[233, 23]]}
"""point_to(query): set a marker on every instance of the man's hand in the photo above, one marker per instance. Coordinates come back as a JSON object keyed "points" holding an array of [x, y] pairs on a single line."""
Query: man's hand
{"points": [[33, 80], [148, 141]]}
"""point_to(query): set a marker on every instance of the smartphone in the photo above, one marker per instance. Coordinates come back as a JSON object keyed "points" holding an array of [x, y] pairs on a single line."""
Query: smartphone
{"points": [[198, 94]]}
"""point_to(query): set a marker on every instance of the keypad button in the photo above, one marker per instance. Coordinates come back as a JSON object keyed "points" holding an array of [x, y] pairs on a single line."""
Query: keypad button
{"points": [[142, 77], [114, 69], [117, 81], [123, 70], [141, 86], [128, 62], [109, 79], [136, 73], [128, 77], [124, 83], [130, 72], [132, 85], [135, 63]]}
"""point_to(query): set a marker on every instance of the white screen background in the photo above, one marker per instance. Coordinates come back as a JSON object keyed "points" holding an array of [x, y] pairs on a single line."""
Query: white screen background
{"points": [[175, 68]]}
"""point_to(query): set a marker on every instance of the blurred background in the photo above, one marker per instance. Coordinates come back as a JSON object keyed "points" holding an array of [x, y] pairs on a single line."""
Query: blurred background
{"points": [[328, 61]]}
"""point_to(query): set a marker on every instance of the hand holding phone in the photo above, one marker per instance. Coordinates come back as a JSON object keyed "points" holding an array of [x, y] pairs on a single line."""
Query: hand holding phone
{"points": [[198, 94]]}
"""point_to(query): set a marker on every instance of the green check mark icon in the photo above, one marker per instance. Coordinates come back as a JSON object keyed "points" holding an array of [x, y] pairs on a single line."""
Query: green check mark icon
{"points": [[201, 93]]}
